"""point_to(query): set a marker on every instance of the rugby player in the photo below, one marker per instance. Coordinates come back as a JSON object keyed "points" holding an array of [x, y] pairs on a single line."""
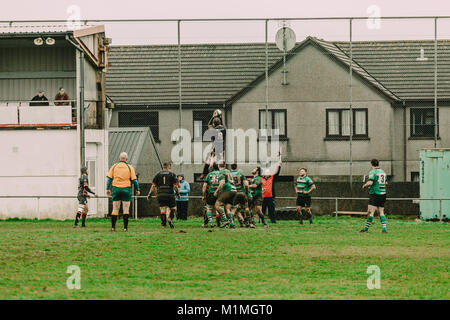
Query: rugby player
{"points": [[83, 195], [303, 187], [377, 193], [209, 187], [257, 194], [120, 177], [163, 186], [225, 193], [240, 203]]}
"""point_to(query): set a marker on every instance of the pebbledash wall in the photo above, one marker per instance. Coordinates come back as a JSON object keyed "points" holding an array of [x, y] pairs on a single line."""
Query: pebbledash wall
{"points": [[45, 163]]}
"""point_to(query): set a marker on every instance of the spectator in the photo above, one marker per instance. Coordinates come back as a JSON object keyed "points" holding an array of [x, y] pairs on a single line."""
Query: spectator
{"points": [[39, 97], [61, 95], [183, 200], [268, 180]]}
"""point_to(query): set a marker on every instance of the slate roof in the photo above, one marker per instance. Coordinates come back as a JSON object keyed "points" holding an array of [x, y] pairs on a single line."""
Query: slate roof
{"points": [[395, 65], [219, 73], [211, 74]]}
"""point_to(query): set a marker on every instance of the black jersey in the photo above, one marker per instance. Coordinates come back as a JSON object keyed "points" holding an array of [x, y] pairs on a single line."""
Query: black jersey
{"points": [[83, 186], [164, 182]]}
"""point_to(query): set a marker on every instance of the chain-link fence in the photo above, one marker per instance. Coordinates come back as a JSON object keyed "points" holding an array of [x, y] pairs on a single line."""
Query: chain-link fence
{"points": [[339, 91]]}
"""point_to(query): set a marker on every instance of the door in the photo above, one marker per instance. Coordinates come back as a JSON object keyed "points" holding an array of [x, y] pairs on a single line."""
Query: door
{"points": [[91, 163]]}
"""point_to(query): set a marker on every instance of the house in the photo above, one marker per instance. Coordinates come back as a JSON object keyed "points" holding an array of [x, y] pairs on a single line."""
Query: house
{"points": [[42, 149], [392, 98]]}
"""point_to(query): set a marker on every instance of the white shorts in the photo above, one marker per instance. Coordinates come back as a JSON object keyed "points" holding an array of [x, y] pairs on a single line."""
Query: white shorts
{"points": [[81, 208]]}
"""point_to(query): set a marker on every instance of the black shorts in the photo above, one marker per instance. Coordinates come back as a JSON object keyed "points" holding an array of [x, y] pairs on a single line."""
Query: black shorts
{"points": [[257, 201], [82, 199], [226, 197], [211, 199], [166, 201], [240, 199], [377, 200], [250, 202], [303, 201]]}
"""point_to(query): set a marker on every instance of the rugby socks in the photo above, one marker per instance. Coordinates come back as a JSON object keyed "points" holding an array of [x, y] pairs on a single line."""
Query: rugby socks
{"points": [[77, 218], [113, 220], [163, 219], [368, 223], [261, 218], [83, 220], [172, 214], [209, 217], [125, 221], [383, 223]]}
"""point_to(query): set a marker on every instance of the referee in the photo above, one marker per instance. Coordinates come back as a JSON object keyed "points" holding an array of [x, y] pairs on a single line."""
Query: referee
{"points": [[120, 177]]}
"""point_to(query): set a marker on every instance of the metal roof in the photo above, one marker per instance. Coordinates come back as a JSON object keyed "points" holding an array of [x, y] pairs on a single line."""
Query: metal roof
{"points": [[37, 29], [129, 140]]}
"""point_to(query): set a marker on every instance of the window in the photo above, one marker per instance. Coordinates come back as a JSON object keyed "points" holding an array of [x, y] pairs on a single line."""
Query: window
{"points": [[276, 120], [201, 119], [141, 119], [422, 122], [338, 123]]}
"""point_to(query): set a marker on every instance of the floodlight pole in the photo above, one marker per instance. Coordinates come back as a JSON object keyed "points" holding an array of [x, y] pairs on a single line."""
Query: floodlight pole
{"points": [[435, 85], [351, 104], [179, 84]]}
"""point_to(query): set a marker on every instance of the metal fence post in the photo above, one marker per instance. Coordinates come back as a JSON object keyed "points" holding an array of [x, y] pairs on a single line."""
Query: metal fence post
{"points": [[337, 209], [38, 209], [440, 210], [135, 208]]}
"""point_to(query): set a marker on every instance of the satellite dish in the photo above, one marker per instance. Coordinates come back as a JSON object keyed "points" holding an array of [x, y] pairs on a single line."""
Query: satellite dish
{"points": [[285, 39]]}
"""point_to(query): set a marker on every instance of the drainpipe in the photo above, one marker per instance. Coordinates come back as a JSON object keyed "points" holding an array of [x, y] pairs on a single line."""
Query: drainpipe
{"points": [[82, 137], [405, 171]]}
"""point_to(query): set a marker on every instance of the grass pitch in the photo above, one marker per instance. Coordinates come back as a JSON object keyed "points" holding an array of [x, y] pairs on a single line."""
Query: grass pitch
{"points": [[326, 260]]}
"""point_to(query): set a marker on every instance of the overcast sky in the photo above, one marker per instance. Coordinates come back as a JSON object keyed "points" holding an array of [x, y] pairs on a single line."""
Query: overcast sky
{"points": [[219, 32]]}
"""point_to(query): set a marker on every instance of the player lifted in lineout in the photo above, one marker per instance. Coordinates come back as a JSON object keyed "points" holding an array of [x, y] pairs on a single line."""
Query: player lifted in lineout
{"points": [[217, 133], [303, 187], [377, 193], [120, 177], [163, 186], [83, 195]]}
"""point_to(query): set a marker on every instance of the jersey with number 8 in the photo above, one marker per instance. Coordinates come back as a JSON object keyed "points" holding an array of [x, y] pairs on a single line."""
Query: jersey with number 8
{"points": [[378, 176]]}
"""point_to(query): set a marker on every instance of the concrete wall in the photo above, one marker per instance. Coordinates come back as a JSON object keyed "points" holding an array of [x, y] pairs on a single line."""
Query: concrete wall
{"points": [[316, 83], [38, 163]]}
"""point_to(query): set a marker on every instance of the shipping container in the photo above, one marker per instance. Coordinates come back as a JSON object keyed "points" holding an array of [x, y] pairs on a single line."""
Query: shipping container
{"points": [[434, 184]]}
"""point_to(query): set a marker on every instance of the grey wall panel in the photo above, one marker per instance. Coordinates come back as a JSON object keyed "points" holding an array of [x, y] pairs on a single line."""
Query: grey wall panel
{"points": [[37, 59], [25, 89]]}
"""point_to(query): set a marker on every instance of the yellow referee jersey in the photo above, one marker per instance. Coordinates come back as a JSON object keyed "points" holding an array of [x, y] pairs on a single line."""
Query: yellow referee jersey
{"points": [[122, 174]]}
